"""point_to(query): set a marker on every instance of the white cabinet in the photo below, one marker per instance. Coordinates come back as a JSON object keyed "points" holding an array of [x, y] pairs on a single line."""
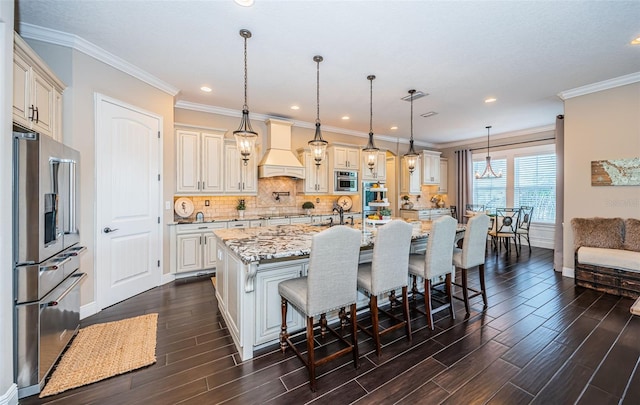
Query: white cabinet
{"points": [[238, 177], [300, 220], [379, 171], [194, 246], [278, 221], [444, 168], [344, 157], [430, 167], [199, 161], [37, 92], [317, 176], [239, 224], [410, 183]]}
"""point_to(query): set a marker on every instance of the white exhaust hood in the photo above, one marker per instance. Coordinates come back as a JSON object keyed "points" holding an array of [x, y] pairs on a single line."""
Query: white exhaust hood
{"points": [[278, 160]]}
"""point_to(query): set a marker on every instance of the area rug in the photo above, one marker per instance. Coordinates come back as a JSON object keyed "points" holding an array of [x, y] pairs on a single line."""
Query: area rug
{"points": [[104, 350]]}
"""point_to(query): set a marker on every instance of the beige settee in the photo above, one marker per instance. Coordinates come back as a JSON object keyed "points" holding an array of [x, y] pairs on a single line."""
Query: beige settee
{"points": [[607, 254]]}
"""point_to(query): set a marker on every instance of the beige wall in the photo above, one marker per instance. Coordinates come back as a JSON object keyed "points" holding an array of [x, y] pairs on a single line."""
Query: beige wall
{"points": [[603, 125], [85, 76]]}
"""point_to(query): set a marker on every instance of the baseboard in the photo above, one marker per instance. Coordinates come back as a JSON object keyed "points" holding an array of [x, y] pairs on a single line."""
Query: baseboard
{"points": [[88, 310], [568, 272], [10, 397]]}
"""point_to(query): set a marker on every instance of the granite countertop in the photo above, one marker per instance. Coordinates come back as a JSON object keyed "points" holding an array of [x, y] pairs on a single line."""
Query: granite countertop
{"points": [[281, 241], [258, 217]]}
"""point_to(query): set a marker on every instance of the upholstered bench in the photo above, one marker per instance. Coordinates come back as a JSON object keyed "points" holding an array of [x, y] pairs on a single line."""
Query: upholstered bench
{"points": [[607, 255]]}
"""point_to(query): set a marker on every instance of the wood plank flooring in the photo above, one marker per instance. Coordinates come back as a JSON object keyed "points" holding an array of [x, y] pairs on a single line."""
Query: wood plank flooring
{"points": [[541, 341]]}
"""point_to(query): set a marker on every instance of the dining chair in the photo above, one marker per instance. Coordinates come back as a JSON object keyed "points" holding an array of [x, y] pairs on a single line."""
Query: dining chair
{"points": [[504, 228], [387, 272], [437, 261], [330, 284], [524, 222], [472, 254], [454, 211]]}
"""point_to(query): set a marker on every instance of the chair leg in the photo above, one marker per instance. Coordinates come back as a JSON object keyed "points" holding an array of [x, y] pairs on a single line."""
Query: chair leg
{"points": [[528, 243], [405, 310], [342, 314], [414, 289], [375, 331], [311, 361], [392, 298], [283, 327], [450, 295], [354, 337], [427, 302], [482, 285], [465, 291], [323, 325]]}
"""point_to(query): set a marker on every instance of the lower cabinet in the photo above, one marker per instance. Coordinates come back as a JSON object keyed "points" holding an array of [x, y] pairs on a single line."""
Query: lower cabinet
{"points": [[195, 247]]}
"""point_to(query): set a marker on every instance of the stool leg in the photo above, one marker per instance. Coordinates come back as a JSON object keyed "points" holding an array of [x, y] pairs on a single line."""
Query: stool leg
{"points": [[373, 308], [342, 314], [405, 309], [482, 285], [392, 298], [465, 291], [414, 289], [283, 327], [354, 337], [427, 302], [323, 325], [450, 295], [310, 354]]}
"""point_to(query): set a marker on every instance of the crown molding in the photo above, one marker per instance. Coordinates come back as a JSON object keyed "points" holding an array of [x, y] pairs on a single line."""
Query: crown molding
{"points": [[81, 45], [600, 86], [187, 105], [494, 137]]}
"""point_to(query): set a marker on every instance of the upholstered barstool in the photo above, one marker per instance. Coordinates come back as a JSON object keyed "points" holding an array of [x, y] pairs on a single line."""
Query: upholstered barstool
{"points": [[435, 262], [472, 255], [387, 272], [330, 284]]}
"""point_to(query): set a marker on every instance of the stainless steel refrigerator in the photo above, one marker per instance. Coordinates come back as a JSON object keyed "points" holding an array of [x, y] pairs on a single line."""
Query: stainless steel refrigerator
{"points": [[46, 255]]}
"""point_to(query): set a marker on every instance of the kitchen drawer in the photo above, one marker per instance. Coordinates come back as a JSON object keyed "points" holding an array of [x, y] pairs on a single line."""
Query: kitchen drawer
{"points": [[200, 227], [239, 224]]}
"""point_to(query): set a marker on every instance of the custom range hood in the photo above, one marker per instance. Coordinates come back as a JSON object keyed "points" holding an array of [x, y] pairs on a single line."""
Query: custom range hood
{"points": [[278, 160]]}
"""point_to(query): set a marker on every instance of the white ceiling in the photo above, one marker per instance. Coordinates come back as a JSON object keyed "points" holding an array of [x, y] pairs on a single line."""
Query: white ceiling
{"points": [[521, 52]]}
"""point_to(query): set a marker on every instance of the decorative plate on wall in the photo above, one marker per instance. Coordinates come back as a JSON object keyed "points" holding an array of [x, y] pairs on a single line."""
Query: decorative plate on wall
{"points": [[345, 202], [183, 207]]}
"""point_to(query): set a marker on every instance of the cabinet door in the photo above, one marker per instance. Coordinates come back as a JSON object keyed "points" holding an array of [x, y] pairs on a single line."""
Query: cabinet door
{"points": [[268, 304], [410, 183], [317, 177], [212, 163], [380, 170], [431, 168], [444, 168], [189, 252], [353, 158], [340, 160], [43, 99], [21, 91], [209, 251], [188, 161], [250, 175], [57, 116]]}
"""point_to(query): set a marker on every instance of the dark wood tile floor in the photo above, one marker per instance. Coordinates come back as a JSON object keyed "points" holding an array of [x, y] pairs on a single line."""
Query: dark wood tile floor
{"points": [[542, 341]]}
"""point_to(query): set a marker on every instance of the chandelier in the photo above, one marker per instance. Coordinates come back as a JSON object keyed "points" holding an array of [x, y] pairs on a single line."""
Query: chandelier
{"points": [[488, 172], [317, 144], [245, 135], [371, 152], [411, 156]]}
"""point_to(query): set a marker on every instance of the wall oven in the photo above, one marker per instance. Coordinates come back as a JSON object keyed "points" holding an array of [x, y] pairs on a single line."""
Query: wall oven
{"points": [[46, 255], [346, 181]]}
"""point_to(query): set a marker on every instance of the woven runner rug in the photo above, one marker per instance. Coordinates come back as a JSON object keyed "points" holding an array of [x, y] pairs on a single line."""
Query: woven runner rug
{"points": [[104, 350]]}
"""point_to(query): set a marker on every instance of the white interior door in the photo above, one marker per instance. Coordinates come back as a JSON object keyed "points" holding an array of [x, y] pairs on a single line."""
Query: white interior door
{"points": [[128, 201]]}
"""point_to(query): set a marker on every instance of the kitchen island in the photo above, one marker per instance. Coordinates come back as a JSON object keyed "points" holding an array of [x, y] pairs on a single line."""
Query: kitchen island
{"points": [[251, 263]]}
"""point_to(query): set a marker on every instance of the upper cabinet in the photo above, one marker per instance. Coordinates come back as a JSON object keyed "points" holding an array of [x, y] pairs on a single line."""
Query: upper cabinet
{"points": [[37, 92], [199, 161], [379, 171], [344, 157], [317, 176], [410, 183], [430, 167], [238, 177], [444, 177]]}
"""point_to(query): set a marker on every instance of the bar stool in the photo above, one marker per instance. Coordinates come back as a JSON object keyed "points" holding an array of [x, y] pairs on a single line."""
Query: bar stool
{"points": [[435, 262], [330, 284], [471, 255], [387, 272]]}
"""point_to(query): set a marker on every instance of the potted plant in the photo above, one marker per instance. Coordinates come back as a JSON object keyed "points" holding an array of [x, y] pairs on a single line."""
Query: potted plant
{"points": [[308, 206], [407, 205], [241, 207], [386, 213]]}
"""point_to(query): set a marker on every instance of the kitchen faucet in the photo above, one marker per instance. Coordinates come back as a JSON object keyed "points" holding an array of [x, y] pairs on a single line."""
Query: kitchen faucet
{"points": [[340, 209]]}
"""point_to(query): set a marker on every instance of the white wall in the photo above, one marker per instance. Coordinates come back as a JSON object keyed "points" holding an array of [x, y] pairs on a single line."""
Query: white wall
{"points": [[8, 390], [598, 126]]}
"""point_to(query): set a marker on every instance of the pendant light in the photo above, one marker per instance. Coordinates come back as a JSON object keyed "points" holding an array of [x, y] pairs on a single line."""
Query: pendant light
{"points": [[318, 145], [488, 172], [245, 135], [371, 152], [411, 156]]}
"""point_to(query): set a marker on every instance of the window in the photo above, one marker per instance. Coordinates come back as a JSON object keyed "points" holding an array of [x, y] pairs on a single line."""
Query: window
{"points": [[528, 178], [535, 185]]}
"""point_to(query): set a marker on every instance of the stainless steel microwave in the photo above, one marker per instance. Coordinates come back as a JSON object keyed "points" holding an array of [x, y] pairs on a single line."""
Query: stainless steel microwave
{"points": [[346, 181]]}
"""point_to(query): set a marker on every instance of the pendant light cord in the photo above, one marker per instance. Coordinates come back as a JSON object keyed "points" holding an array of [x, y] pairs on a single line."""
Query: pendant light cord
{"points": [[317, 92], [245, 107], [371, 106], [488, 128]]}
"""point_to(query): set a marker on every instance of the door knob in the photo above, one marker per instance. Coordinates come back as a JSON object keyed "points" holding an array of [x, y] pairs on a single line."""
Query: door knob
{"points": [[108, 230]]}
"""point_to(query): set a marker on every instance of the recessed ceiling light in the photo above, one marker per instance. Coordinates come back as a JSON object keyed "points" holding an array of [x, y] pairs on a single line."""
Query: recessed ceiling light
{"points": [[636, 41], [490, 100], [346, 117], [295, 107], [244, 3], [206, 89], [393, 128]]}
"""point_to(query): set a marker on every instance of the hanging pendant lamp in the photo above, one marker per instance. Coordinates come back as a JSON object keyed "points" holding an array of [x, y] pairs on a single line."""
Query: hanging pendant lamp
{"points": [[371, 152], [245, 135], [318, 145], [411, 156], [488, 172]]}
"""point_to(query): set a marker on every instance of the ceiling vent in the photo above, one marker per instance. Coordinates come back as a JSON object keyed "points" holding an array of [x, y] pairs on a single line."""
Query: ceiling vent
{"points": [[429, 114], [418, 94]]}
